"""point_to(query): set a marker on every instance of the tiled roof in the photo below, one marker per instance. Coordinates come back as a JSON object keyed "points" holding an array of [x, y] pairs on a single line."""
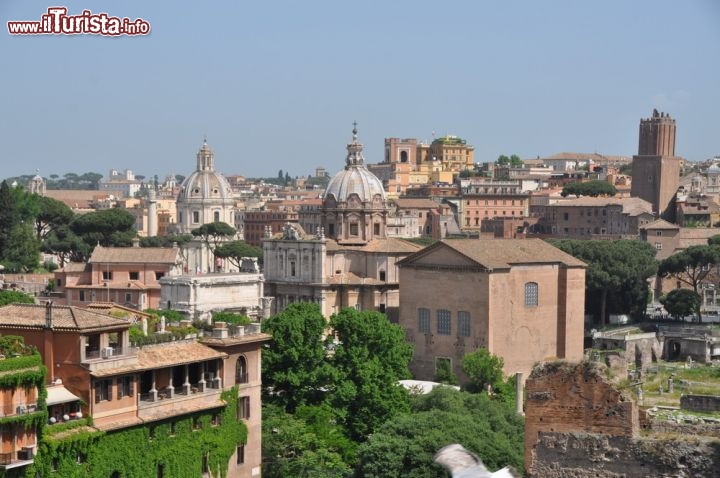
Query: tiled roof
{"points": [[65, 318], [165, 355], [586, 156], [503, 253], [76, 267], [76, 198], [133, 255], [413, 203], [631, 206], [390, 246], [660, 224]]}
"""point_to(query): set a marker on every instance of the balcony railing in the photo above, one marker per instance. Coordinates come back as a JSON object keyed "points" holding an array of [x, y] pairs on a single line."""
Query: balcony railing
{"points": [[211, 386], [110, 352]]}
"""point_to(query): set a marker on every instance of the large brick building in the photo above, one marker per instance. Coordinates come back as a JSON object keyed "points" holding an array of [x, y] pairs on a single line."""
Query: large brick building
{"points": [[521, 299], [656, 169]]}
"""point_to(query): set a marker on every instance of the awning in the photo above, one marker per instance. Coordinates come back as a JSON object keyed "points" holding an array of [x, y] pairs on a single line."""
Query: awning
{"points": [[60, 394]]}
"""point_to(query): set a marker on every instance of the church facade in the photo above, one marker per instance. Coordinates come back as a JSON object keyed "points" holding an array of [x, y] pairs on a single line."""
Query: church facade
{"points": [[348, 261]]}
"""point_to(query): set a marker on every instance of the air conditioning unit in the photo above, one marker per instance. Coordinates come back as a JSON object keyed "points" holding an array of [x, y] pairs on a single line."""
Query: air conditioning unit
{"points": [[30, 450], [107, 352]]}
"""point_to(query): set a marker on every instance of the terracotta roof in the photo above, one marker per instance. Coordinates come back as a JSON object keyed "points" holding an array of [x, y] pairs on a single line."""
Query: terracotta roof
{"points": [[128, 255], [65, 318], [76, 198], [631, 206], [390, 246], [413, 203], [76, 267], [503, 253], [165, 355], [587, 156], [660, 224]]}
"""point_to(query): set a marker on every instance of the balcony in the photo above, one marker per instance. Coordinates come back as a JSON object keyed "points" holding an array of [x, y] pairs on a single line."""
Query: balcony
{"points": [[167, 402], [15, 459], [110, 357]]}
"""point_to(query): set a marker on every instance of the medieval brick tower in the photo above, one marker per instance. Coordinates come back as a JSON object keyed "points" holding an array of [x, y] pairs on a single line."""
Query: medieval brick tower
{"points": [[656, 169]]}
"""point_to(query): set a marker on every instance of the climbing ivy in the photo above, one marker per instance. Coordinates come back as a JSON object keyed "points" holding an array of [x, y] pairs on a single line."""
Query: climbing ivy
{"points": [[177, 444]]}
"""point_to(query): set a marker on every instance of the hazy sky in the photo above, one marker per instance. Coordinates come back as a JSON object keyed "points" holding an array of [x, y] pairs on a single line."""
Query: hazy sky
{"points": [[277, 84]]}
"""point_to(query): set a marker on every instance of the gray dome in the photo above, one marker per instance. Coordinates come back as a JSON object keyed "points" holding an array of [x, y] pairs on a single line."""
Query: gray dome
{"points": [[205, 183], [355, 178]]}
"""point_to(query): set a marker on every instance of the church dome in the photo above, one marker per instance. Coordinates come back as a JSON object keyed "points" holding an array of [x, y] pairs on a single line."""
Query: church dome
{"points": [[205, 183], [355, 179]]}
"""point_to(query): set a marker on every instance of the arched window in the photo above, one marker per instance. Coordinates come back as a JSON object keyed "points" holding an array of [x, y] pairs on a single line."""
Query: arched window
{"points": [[241, 371], [531, 294], [403, 156]]}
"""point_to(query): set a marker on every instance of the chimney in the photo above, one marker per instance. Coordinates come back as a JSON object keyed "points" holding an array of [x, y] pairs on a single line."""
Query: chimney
{"points": [[48, 315]]}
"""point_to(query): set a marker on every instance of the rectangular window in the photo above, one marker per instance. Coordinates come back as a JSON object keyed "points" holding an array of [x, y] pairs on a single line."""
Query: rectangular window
{"points": [[424, 321], [354, 229], [240, 454], [444, 324], [566, 216], [107, 275], [292, 268], [463, 323], [196, 217], [658, 246], [159, 275], [531, 294], [81, 295], [658, 233], [125, 386], [134, 275], [128, 297], [376, 229], [103, 390], [243, 408]]}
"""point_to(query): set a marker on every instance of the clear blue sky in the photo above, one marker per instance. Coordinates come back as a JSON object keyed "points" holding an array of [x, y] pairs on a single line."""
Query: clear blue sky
{"points": [[277, 84]]}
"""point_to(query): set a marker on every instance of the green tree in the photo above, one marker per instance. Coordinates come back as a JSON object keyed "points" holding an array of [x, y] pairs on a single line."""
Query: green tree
{"points": [[214, 233], [404, 446], [21, 253], [617, 274], [589, 188], [294, 366], [681, 302], [14, 297], [107, 227], [691, 266], [370, 357], [483, 369], [292, 447], [443, 371], [513, 161], [52, 214], [235, 251], [66, 245], [166, 241]]}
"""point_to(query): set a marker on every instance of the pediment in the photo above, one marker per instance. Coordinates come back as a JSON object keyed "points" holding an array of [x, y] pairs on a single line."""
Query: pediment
{"points": [[440, 255]]}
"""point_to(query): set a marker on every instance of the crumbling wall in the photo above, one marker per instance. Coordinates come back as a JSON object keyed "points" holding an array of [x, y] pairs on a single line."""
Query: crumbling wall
{"points": [[583, 455], [580, 424], [575, 397]]}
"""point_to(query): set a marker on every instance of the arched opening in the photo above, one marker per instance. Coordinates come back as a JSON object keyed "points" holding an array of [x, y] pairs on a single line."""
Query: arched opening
{"points": [[241, 373], [674, 350], [403, 156]]}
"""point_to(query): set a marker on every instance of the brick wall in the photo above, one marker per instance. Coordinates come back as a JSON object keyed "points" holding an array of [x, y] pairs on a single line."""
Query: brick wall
{"points": [[564, 397]]}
